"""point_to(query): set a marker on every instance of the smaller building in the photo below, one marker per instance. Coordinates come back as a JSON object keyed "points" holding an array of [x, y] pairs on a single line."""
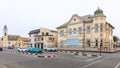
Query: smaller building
{"points": [[24, 41], [43, 37], [14, 40]]}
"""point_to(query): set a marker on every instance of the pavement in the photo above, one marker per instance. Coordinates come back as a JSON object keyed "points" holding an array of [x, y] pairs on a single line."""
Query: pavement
{"points": [[3, 66], [62, 60]]}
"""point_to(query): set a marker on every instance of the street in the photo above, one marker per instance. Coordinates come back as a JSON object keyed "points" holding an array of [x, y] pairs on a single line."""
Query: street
{"points": [[9, 58]]}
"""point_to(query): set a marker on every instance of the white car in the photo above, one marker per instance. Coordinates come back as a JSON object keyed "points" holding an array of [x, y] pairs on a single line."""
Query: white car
{"points": [[50, 48], [22, 49]]}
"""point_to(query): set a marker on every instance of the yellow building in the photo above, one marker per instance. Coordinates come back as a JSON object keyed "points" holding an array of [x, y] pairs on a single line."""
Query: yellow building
{"points": [[14, 40], [43, 37], [90, 31], [24, 42]]}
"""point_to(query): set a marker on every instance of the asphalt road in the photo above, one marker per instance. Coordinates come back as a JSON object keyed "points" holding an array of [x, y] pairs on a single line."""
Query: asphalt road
{"points": [[11, 59]]}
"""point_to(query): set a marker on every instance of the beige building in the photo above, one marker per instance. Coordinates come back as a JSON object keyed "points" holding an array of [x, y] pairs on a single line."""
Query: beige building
{"points": [[90, 31], [43, 37], [14, 40]]}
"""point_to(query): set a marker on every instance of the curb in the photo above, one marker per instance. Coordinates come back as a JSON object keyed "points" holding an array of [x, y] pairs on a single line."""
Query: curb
{"points": [[79, 53], [89, 55], [45, 56], [72, 52]]}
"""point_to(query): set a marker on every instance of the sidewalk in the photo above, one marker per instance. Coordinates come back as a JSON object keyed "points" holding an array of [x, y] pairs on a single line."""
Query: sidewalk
{"points": [[3, 66], [90, 50]]}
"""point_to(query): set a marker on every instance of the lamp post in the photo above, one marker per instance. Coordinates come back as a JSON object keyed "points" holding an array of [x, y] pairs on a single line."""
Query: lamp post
{"points": [[100, 48]]}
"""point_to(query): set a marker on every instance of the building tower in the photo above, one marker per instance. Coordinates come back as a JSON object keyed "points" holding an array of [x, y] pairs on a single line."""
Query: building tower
{"points": [[100, 21], [5, 36]]}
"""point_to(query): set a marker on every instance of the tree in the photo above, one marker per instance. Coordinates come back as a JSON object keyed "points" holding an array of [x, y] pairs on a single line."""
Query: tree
{"points": [[115, 38]]}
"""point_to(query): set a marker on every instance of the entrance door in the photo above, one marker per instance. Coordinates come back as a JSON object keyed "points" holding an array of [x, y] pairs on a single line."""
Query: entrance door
{"points": [[41, 45]]}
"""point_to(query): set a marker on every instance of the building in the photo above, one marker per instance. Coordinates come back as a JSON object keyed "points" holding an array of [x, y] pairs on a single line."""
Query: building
{"points": [[14, 40], [89, 31], [43, 37]]}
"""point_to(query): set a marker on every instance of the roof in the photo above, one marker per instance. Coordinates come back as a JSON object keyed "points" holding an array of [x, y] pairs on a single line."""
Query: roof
{"points": [[98, 11], [85, 18], [34, 31], [110, 25], [53, 31], [5, 27], [13, 37], [25, 39]]}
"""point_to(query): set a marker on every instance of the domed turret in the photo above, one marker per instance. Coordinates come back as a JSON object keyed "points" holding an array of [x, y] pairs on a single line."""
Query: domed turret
{"points": [[98, 11]]}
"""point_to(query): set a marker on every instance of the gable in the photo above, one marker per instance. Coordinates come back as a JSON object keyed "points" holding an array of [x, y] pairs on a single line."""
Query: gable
{"points": [[75, 19]]}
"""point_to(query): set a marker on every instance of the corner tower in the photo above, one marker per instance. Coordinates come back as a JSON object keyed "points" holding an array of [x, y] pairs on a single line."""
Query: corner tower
{"points": [[5, 30], [5, 36]]}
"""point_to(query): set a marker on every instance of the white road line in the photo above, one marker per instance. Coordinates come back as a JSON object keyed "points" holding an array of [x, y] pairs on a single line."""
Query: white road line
{"points": [[117, 65], [94, 62], [93, 58]]}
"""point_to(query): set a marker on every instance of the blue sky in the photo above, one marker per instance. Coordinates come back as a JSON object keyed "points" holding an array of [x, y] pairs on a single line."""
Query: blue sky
{"points": [[22, 16]]}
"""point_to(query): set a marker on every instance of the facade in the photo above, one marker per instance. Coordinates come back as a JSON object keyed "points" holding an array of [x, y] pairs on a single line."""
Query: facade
{"points": [[90, 31], [13, 40], [43, 37]]}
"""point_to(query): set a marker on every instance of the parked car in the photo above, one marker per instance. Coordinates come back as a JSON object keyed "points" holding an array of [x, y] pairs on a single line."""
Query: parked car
{"points": [[51, 48], [1, 49], [35, 50], [22, 49], [10, 47]]}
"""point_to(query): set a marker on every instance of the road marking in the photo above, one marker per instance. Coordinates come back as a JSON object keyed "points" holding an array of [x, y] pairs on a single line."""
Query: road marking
{"points": [[93, 58], [95, 62], [117, 65]]}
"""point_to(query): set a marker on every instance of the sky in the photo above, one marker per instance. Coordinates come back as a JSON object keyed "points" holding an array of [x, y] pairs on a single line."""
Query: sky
{"points": [[22, 16]]}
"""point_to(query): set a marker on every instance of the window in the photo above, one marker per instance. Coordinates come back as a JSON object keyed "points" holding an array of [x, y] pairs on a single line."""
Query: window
{"points": [[47, 33], [53, 39], [42, 33], [74, 31], [101, 27], [36, 39], [88, 43], [5, 34], [50, 39], [79, 30], [101, 43], [74, 19], [42, 39], [70, 32], [96, 27], [88, 29], [111, 31], [96, 41], [62, 33], [61, 43]]}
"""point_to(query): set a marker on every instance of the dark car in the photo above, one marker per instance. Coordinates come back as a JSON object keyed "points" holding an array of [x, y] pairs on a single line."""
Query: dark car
{"points": [[35, 50], [1, 49]]}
